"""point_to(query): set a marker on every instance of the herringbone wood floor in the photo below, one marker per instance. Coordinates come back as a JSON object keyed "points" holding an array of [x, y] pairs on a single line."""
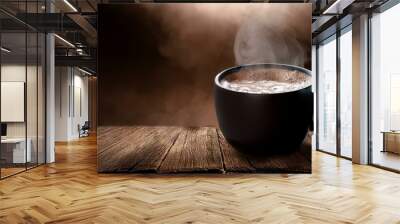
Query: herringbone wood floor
{"points": [[71, 191]]}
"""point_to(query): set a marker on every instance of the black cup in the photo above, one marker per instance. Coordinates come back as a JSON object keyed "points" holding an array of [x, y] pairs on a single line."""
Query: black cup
{"points": [[260, 122]]}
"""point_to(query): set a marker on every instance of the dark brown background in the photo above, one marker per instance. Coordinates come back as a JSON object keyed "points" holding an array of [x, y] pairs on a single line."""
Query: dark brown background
{"points": [[157, 62]]}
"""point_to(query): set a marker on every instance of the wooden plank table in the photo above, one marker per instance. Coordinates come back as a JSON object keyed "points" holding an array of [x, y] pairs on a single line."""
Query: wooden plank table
{"points": [[182, 150], [196, 150]]}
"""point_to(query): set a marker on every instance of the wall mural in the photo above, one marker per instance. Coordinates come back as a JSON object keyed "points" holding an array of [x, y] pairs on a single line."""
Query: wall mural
{"points": [[162, 107]]}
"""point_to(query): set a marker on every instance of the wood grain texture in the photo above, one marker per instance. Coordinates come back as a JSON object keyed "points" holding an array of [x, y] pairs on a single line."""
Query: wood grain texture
{"points": [[178, 149], [134, 149], [234, 161], [195, 150], [71, 191]]}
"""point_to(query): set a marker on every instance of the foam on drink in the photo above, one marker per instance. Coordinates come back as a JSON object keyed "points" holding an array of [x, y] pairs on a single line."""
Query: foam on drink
{"points": [[266, 80]]}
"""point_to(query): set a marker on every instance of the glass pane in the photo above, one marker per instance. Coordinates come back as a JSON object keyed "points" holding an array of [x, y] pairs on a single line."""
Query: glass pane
{"points": [[346, 94], [31, 85], [385, 114], [327, 96], [14, 153], [41, 98], [31, 97]]}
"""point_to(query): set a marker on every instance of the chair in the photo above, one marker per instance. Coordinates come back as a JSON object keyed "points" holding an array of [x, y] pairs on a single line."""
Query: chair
{"points": [[84, 130]]}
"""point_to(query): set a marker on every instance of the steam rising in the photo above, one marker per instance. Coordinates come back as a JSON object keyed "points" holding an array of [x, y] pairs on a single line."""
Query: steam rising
{"points": [[272, 36]]}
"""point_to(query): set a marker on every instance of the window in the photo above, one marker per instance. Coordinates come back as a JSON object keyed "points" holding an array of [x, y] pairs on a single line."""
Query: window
{"points": [[385, 89], [346, 92], [327, 96], [22, 77]]}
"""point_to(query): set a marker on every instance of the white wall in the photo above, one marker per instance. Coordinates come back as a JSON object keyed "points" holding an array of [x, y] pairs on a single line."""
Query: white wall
{"points": [[62, 81], [12, 73], [33, 127], [80, 103], [9, 73], [70, 84]]}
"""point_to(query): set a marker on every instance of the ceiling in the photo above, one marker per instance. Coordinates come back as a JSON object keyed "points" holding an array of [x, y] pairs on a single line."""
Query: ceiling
{"points": [[76, 21]]}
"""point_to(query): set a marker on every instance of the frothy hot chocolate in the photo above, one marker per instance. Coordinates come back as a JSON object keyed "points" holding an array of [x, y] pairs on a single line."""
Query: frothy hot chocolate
{"points": [[266, 80]]}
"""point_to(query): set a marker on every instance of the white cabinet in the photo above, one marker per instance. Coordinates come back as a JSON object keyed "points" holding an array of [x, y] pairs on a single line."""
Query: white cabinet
{"points": [[19, 155]]}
